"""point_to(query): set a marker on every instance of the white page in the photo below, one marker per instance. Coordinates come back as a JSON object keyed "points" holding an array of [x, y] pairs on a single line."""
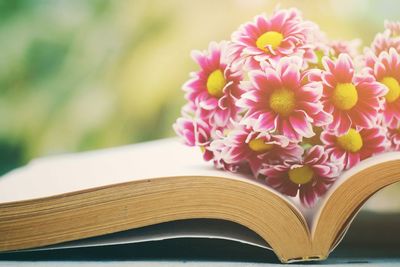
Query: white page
{"points": [[56, 175], [65, 173], [196, 228]]}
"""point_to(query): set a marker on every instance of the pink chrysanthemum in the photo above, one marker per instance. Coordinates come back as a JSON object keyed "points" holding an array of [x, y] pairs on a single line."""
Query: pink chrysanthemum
{"points": [[350, 99], [195, 132], [383, 42], [386, 70], [278, 88], [281, 100], [355, 145], [283, 34], [345, 47], [393, 27], [245, 145], [393, 135], [310, 176], [215, 88]]}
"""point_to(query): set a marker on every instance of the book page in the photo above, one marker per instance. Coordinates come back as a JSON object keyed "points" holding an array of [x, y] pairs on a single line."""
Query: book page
{"points": [[376, 205], [195, 228], [312, 215], [61, 174]]}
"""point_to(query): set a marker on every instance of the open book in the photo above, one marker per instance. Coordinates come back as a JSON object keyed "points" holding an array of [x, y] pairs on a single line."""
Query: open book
{"points": [[64, 198]]}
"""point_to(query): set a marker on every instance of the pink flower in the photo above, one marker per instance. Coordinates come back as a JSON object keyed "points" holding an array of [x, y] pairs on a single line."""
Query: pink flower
{"points": [[393, 135], [346, 47], [195, 132], [393, 28], [215, 87], [355, 145], [219, 149], [390, 38], [283, 34], [310, 176], [383, 42], [386, 70], [350, 99], [281, 100], [245, 145]]}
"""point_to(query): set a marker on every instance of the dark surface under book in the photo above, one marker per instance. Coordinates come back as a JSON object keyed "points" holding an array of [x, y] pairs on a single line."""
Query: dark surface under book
{"points": [[371, 236]]}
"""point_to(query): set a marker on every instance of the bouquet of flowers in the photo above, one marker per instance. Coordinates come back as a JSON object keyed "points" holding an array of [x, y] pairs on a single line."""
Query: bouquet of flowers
{"points": [[281, 101]]}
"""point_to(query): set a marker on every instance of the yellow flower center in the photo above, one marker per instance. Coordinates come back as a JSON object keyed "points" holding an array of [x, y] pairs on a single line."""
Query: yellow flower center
{"points": [[259, 145], [227, 131], [345, 96], [282, 101], [394, 89], [302, 175], [272, 38], [352, 141], [216, 83]]}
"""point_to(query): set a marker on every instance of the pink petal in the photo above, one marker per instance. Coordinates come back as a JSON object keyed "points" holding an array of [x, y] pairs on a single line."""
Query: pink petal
{"points": [[344, 69], [352, 160], [286, 128], [266, 122], [301, 124], [307, 195], [291, 77], [345, 124]]}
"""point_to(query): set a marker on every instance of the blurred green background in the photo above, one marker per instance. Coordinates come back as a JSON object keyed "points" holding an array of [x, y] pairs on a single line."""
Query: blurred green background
{"points": [[78, 75]]}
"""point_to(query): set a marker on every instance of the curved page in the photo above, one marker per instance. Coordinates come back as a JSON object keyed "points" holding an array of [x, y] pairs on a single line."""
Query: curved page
{"points": [[66, 173], [199, 228]]}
